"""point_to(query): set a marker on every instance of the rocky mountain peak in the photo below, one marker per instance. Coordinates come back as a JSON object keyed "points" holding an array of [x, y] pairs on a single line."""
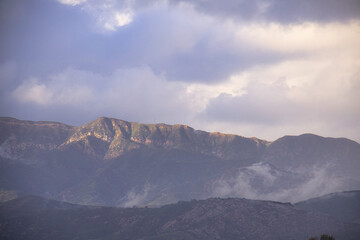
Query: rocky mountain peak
{"points": [[122, 136]]}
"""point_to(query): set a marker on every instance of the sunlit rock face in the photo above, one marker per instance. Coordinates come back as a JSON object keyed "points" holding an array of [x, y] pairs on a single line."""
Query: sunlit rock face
{"points": [[123, 136], [115, 162]]}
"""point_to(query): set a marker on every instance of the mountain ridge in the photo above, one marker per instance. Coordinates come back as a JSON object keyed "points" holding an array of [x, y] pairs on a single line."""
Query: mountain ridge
{"points": [[114, 162], [210, 219], [124, 136], [103, 118]]}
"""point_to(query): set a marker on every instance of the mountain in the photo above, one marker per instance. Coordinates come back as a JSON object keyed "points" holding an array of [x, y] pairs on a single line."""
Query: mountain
{"points": [[308, 150], [341, 205], [108, 138], [114, 162], [119, 163], [226, 219], [296, 168]]}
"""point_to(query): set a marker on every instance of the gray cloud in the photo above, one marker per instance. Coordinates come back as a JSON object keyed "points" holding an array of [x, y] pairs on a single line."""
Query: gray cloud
{"points": [[183, 45], [137, 198], [43, 37], [291, 11], [262, 104]]}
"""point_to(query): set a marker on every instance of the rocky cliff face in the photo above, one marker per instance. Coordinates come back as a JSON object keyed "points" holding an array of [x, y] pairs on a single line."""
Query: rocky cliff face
{"points": [[122, 136], [117, 137]]}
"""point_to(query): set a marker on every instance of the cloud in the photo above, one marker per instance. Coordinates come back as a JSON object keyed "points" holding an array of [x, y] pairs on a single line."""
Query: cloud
{"points": [[117, 19], [315, 91], [130, 94], [176, 41], [32, 91], [72, 2], [307, 37], [109, 14], [254, 76], [263, 103], [70, 87], [291, 97], [261, 181], [285, 12], [297, 94], [292, 91], [123, 19], [137, 198]]}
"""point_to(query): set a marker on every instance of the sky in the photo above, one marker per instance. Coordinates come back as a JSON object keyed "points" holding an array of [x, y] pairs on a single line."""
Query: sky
{"points": [[261, 68]]}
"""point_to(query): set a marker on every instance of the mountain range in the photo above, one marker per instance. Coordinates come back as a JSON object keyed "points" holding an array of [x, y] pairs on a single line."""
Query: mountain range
{"points": [[113, 162], [34, 217]]}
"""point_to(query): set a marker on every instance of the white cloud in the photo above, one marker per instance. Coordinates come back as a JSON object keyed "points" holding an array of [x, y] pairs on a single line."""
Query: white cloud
{"points": [[33, 92], [123, 18], [72, 2], [117, 19], [109, 14], [291, 97], [304, 37], [66, 88]]}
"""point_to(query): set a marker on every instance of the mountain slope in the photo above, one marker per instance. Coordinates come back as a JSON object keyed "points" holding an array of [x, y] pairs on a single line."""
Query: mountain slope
{"points": [[36, 218], [108, 138], [342, 205], [111, 162], [114, 162], [307, 150]]}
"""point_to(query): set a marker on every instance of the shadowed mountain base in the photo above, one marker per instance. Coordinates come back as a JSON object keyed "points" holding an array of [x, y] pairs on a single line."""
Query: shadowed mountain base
{"points": [[212, 219]]}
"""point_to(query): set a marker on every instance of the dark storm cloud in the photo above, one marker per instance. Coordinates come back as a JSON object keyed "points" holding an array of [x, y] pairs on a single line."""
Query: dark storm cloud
{"points": [[288, 11]]}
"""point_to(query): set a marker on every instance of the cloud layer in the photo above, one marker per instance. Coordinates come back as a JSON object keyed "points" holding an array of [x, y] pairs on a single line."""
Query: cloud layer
{"points": [[255, 68]]}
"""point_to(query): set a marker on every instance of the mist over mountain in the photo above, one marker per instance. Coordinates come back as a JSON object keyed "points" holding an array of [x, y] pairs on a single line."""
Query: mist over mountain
{"points": [[226, 219], [119, 163]]}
